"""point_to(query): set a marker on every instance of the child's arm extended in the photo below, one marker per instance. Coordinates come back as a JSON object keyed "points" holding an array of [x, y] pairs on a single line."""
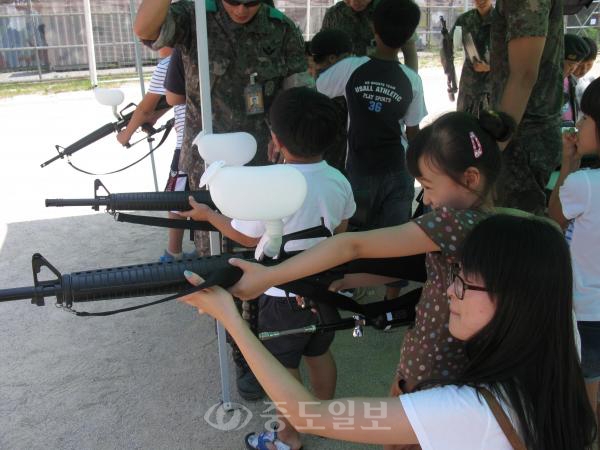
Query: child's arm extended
{"points": [[303, 409], [402, 240], [570, 163], [203, 213]]}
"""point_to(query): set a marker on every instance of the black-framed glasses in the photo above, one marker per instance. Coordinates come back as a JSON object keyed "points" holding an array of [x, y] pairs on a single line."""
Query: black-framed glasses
{"points": [[460, 285], [236, 3]]}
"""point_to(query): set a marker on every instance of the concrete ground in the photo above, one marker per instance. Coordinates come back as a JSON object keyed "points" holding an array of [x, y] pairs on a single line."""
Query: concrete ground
{"points": [[144, 379]]}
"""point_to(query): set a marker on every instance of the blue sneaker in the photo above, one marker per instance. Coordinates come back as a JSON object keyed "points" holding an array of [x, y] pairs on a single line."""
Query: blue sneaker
{"points": [[166, 258]]}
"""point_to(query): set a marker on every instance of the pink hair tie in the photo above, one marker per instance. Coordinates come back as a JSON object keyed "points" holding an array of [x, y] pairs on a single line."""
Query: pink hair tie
{"points": [[476, 144]]}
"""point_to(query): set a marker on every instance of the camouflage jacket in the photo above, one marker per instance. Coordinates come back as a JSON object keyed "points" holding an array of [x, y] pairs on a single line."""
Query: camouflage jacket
{"points": [[270, 45], [531, 18], [474, 84], [357, 25]]}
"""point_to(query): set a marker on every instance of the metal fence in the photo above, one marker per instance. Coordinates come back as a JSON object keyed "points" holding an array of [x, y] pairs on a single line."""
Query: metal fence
{"points": [[50, 35]]}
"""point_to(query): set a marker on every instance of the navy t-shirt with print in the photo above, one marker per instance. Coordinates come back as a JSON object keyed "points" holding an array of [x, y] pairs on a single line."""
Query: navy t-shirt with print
{"points": [[378, 95]]}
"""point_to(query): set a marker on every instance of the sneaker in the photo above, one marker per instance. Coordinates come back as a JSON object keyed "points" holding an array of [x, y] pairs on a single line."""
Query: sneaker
{"points": [[166, 258], [247, 385]]}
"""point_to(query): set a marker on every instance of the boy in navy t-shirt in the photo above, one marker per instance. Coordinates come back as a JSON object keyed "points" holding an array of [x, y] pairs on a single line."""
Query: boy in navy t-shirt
{"points": [[383, 98]]}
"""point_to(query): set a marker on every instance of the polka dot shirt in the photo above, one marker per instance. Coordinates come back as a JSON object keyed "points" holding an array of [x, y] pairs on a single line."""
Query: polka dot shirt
{"points": [[428, 349]]}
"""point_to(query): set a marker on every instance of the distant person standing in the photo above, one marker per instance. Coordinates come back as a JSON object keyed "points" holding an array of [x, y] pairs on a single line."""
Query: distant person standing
{"points": [[527, 54], [355, 17], [474, 89]]}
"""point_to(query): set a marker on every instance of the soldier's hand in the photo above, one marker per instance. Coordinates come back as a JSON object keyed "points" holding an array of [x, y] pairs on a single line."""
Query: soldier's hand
{"points": [[123, 138], [481, 67]]}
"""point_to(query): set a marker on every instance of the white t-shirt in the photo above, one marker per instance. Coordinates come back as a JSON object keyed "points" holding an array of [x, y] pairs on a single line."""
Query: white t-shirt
{"points": [[453, 418], [157, 86], [329, 196], [580, 199]]}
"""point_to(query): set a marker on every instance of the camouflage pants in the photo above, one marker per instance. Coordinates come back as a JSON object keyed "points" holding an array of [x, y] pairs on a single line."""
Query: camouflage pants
{"points": [[527, 164], [473, 103]]}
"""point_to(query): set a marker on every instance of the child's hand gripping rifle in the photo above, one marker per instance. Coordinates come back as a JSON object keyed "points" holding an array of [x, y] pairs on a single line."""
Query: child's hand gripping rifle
{"points": [[112, 98], [447, 56]]}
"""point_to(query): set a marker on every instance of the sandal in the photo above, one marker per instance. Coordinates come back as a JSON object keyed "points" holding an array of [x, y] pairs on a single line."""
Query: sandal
{"points": [[259, 441]]}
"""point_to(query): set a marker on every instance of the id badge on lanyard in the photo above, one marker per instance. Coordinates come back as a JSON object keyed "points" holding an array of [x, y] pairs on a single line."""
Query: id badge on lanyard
{"points": [[253, 96]]}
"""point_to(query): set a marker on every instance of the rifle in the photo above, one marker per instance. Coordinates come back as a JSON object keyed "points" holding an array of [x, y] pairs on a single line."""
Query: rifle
{"points": [[166, 278], [143, 201], [124, 116], [447, 56]]}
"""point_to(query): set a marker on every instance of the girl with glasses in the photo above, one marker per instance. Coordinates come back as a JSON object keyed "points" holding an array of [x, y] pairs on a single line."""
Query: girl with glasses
{"points": [[521, 386]]}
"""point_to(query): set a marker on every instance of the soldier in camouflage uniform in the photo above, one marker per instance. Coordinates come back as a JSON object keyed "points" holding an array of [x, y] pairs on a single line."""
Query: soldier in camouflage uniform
{"points": [[475, 88], [355, 17], [268, 44], [249, 43], [533, 153]]}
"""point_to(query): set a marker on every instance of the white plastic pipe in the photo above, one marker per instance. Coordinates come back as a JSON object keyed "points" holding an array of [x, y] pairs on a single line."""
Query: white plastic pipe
{"points": [[206, 112], [89, 38]]}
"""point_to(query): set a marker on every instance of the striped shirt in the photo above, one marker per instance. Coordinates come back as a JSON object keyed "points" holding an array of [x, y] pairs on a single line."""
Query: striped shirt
{"points": [[157, 87]]}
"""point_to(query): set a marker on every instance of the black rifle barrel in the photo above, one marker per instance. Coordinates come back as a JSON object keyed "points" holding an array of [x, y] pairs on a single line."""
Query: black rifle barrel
{"points": [[139, 201], [139, 280], [94, 136]]}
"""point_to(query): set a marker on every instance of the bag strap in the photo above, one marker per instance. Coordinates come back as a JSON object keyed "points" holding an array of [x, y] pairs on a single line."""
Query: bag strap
{"points": [[503, 421]]}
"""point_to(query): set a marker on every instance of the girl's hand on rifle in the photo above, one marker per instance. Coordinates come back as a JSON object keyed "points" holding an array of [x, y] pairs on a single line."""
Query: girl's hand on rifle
{"points": [[253, 283], [215, 301], [198, 212]]}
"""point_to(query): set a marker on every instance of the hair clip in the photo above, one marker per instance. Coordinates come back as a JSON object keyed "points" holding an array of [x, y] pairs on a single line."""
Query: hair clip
{"points": [[476, 144]]}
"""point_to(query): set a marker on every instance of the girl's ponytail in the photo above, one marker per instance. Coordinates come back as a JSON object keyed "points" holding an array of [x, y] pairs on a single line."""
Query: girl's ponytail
{"points": [[497, 124]]}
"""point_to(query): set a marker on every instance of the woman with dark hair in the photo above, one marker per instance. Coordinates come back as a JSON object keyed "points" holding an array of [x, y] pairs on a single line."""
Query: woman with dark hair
{"points": [[522, 387]]}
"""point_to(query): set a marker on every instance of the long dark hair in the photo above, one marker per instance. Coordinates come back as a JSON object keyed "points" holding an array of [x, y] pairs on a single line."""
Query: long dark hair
{"points": [[526, 355], [590, 103], [459, 140]]}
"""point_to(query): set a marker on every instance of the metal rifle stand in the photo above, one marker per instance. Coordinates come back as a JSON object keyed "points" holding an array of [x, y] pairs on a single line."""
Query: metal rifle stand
{"points": [[140, 70], [205, 102]]}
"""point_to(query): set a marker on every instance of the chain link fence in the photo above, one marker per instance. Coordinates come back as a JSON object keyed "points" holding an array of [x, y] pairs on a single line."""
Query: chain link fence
{"points": [[39, 36]]}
